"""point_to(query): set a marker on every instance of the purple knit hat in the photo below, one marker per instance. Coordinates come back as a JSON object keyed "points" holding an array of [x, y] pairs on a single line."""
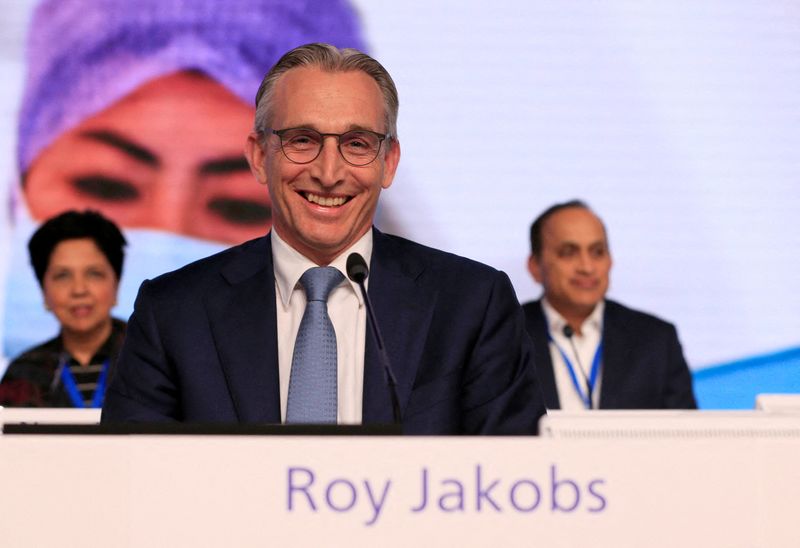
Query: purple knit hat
{"points": [[84, 55]]}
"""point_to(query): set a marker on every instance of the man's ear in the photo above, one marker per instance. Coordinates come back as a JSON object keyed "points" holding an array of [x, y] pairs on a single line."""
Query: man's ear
{"points": [[254, 152], [535, 269]]}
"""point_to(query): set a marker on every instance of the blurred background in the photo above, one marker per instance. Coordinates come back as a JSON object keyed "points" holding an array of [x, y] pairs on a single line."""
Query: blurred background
{"points": [[678, 122]]}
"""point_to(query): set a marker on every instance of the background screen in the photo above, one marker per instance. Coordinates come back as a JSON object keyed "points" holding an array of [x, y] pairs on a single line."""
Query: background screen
{"points": [[678, 122]]}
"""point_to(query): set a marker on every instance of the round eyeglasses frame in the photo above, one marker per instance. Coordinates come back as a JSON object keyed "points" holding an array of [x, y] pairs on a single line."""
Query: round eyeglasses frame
{"points": [[281, 132]]}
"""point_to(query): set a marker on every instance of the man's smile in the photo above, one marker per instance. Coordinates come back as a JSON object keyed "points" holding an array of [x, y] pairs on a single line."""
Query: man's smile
{"points": [[585, 284], [327, 201]]}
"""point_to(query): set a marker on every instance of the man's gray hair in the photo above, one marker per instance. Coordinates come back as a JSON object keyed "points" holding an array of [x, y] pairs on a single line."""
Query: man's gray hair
{"points": [[330, 59]]}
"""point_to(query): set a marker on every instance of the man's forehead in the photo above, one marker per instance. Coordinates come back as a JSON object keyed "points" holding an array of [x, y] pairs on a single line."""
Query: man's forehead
{"points": [[312, 89], [308, 78], [576, 225]]}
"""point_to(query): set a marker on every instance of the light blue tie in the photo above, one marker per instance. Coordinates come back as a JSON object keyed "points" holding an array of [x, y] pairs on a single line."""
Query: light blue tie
{"points": [[312, 383]]}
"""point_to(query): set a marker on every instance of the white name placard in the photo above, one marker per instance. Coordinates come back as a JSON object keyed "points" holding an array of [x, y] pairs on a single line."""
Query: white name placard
{"points": [[391, 491]]}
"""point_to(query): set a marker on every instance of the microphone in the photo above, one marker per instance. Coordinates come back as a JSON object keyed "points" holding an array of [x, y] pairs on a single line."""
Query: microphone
{"points": [[568, 333], [358, 271]]}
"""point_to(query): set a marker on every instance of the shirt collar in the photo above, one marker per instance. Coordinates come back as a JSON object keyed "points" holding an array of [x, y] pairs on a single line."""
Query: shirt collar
{"points": [[556, 322], [289, 264], [106, 351]]}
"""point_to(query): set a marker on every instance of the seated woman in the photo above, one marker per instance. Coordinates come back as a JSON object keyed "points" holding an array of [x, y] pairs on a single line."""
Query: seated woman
{"points": [[77, 258]]}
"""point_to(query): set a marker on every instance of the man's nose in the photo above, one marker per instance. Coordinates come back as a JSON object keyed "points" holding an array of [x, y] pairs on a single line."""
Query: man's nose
{"points": [[586, 263], [329, 164]]}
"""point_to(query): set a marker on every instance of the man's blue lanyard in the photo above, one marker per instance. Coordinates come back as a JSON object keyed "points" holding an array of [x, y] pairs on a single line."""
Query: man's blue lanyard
{"points": [[68, 380], [593, 372]]}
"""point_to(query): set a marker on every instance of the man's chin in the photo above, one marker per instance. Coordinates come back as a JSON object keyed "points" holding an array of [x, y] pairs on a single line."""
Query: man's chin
{"points": [[579, 306], [586, 306], [324, 249]]}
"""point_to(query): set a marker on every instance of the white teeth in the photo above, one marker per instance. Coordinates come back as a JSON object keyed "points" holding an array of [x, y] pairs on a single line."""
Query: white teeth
{"points": [[323, 201]]}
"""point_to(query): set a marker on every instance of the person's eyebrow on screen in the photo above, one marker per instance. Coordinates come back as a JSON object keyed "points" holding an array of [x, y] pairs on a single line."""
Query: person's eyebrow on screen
{"points": [[125, 145], [224, 165], [241, 211]]}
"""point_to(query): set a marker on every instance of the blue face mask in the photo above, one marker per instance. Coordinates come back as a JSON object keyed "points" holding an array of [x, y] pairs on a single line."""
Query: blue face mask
{"points": [[148, 254]]}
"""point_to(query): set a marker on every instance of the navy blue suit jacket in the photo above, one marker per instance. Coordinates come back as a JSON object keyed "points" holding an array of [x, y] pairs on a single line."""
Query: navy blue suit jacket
{"points": [[643, 365], [202, 344]]}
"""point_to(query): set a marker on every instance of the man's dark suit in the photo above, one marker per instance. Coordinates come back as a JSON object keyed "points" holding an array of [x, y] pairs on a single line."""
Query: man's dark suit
{"points": [[642, 368], [202, 344]]}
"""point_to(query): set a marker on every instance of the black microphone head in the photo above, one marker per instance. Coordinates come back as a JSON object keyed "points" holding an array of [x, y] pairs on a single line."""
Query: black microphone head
{"points": [[568, 331], [357, 268]]}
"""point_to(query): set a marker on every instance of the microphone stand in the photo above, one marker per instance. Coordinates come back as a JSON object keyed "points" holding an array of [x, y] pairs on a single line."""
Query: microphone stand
{"points": [[357, 271]]}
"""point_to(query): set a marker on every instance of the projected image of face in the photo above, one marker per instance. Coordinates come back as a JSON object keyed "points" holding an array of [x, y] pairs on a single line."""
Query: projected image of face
{"points": [[167, 156]]}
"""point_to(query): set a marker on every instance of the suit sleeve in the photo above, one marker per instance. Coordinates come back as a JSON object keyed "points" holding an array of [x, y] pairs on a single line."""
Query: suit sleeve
{"points": [[500, 393], [679, 393], [144, 386]]}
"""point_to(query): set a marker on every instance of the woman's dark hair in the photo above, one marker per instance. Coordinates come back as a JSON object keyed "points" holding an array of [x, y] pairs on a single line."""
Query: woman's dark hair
{"points": [[72, 225]]}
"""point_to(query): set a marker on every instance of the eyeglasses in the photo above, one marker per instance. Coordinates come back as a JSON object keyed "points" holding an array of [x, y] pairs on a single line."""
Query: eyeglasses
{"points": [[303, 145]]}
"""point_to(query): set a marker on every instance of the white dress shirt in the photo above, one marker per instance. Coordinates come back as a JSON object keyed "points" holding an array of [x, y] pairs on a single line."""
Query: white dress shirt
{"points": [[348, 316], [586, 344]]}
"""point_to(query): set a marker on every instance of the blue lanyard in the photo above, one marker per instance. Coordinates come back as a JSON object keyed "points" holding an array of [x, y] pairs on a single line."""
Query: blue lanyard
{"points": [[598, 355], [68, 380]]}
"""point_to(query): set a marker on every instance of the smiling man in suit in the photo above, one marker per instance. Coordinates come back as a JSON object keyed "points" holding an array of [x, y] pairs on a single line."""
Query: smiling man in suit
{"points": [[249, 336], [592, 352]]}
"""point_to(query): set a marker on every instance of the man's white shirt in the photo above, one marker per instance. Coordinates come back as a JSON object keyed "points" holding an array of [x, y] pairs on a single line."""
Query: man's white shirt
{"points": [[348, 316], [586, 344]]}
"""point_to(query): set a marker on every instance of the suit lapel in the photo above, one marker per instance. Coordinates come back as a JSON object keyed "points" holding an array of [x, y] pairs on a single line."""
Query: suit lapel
{"points": [[537, 328], [403, 309], [616, 357], [244, 327]]}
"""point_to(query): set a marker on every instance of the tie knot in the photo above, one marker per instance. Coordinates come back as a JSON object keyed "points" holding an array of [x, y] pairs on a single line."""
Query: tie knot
{"points": [[320, 281]]}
